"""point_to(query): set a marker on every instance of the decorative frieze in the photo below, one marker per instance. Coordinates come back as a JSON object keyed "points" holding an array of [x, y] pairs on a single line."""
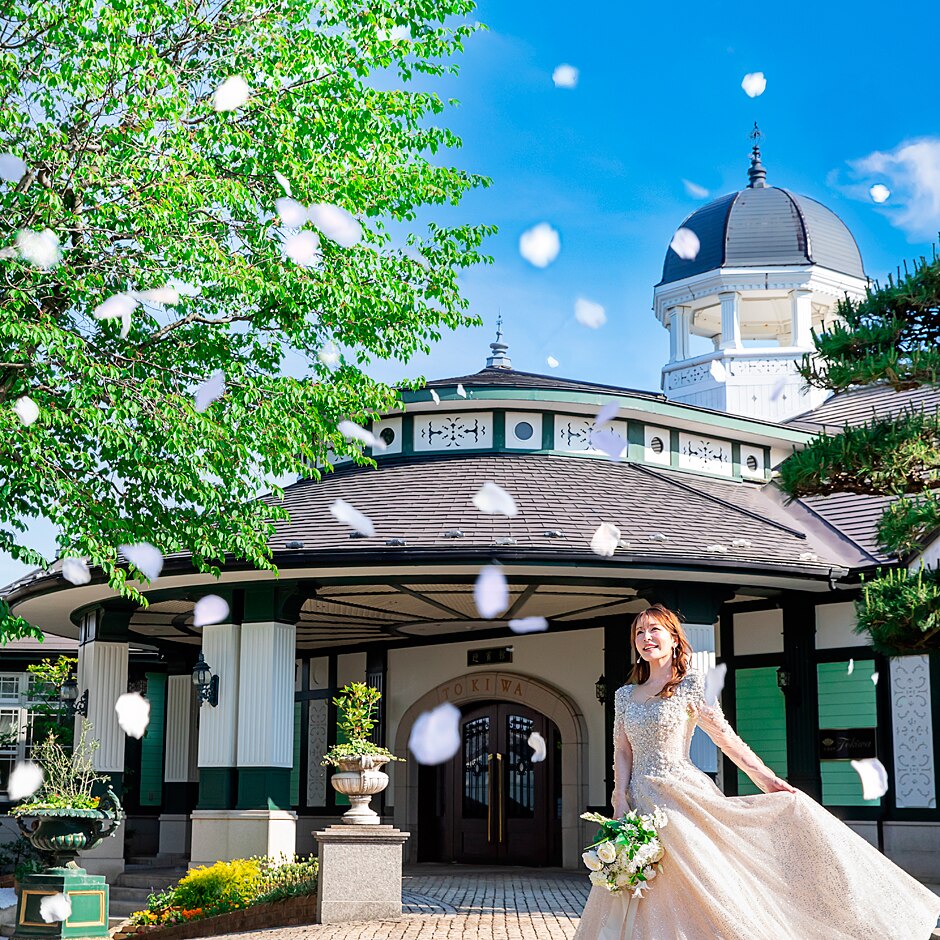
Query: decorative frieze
{"points": [[705, 454], [317, 717], [453, 432], [914, 766], [573, 434]]}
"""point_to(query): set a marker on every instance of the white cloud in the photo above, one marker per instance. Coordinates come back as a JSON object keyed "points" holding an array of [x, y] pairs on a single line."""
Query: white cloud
{"points": [[565, 76], [694, 190]]}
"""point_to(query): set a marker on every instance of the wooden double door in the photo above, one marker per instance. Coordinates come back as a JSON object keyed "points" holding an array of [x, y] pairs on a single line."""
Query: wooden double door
{"points": [[500, 806]]}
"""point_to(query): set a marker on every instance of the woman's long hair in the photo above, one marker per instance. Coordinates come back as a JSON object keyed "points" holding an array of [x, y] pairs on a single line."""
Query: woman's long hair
{"points": [[682, 659]]}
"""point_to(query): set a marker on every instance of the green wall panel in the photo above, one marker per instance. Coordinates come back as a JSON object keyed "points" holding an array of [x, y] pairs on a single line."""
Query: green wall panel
{"points": [[151, 746], [761, 721]]}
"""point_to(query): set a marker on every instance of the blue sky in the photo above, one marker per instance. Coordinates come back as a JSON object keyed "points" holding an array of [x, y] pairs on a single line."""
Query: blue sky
{"points": [[659, 100]]}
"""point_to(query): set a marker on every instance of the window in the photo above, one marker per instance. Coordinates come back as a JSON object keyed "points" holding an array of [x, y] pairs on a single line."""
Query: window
{"points": [[15, 723]]}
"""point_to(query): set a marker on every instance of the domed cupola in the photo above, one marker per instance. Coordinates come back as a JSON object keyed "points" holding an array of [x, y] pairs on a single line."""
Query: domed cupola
{"points": [[771, 265]]}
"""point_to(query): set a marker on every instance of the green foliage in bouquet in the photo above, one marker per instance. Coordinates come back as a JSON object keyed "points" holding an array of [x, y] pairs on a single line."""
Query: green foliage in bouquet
{"points": [[357, 706], [623, 856], [891, 337]]}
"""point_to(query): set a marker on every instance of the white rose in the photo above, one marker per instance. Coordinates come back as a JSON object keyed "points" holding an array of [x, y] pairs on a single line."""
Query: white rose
{"points": [[598, 878], [606, 852], [592, 861], [623, 879]]}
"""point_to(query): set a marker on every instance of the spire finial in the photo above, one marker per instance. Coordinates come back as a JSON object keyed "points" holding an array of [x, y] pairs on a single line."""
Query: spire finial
{"points": [[499, 327], [756, 174], [498, 359]]}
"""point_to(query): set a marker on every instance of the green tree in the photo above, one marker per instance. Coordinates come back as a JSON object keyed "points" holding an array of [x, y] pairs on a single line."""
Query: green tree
{"points": [[45, 699], [136, 190], [891, 337]]}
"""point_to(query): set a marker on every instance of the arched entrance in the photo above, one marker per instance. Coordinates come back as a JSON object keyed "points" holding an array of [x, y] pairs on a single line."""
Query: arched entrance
{"points": [[454, 811]]}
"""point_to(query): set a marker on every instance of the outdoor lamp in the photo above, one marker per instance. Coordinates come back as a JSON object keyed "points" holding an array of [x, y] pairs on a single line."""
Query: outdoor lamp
{"points": [[68, 694], [206, 684], [783, 679], [600, 689]]}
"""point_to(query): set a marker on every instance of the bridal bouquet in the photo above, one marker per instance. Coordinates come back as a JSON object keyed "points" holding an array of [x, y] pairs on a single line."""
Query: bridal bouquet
{"points": [[627, 852]]}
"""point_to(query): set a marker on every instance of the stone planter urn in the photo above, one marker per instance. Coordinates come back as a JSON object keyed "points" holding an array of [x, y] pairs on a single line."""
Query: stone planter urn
{"points": [[360, 778]]}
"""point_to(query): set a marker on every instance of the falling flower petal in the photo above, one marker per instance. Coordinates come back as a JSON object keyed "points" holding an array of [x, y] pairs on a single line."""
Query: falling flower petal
{"points": [[494, 500], [461, 391], [211, 390], [657, 537], [336, 223], [231, 94], [210, 609], [166, 296], [874, 678], [117, 306], [565, 76], [54, 908], [778, 388], [12, 168], [589, 314], [434, 396], [328, 354], [133, 712], [539, 749], [694, 190], [740, 543], [40, 249], [75, 571], [291, 212], [145, 558], [714, 683], [303, 248], [435, 735], [26, 410], [552, 362], [605, 540], [540, 245], [491, 592], [25, 779], [874, 777], [809, 556], [851, 666], [353, 432], [610, 442], [754, 84], [284, 181], [528, 625], [716, 549], [607, 413], [348, 514], [879, 193], [685, 244]]}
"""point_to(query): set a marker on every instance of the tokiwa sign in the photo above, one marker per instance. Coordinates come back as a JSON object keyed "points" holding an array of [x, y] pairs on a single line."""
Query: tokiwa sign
{"points": [[484, 685]]}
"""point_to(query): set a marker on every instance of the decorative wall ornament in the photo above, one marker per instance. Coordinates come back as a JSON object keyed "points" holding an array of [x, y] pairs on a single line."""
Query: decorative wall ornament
{"points": [[573, 434], [914, 771], [657, 445], [691, 375], [708, 454], [316, 748], [453, 432], [742, 367], [524, 430]]}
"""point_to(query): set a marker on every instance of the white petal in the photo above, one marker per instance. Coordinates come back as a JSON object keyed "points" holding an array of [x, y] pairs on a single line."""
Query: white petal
{"points": [[284, 181], [540, 245], [809, 556], [754, 84], [210, 609], [75, 571], [657, 537], [851, 666], [565, 76], [133, 712], [714, 683], [145, 558], [879, 193], [434, 396], [606, 413], [116, 307], [353, 432], [716, 549], [685, 244], [528, 625], [491, 592], [336, 223], [166, 296], [552, 362], [694, 190], [874, 777], [328, 354], [461, 391], [740, 543], [40, 249], [494, 500], [539, 749], [12, 168], [231, 94], [348, 514], [435, 735], [292, 213], [610, 443], [54, 908], [605, 540], [303, 248], [26, 410], [25, 779], [211, 390], [874, 678], [589, 314]]}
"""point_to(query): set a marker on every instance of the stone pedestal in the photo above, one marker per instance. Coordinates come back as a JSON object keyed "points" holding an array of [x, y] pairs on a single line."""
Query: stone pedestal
{"points": [[89, 897], [360, 873]]}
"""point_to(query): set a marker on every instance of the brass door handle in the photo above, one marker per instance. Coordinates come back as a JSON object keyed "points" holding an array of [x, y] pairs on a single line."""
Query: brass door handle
{"points": [[499, 778], [489, 801]]}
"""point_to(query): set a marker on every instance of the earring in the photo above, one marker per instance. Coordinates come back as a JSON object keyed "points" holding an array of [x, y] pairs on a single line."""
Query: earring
{"points": [[675, 652]]}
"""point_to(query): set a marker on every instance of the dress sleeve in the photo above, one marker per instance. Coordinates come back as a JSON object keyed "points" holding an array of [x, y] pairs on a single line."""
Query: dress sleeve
{"points": [[623, 753], [711, 719]]}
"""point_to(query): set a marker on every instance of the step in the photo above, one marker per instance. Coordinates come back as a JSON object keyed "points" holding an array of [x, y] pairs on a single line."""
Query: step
{"points": [[124, 909], [153, 879], [128, 893]]}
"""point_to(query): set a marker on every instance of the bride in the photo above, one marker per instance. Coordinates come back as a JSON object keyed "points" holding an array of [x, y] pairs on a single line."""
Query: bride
{"points": [[774, 865]]}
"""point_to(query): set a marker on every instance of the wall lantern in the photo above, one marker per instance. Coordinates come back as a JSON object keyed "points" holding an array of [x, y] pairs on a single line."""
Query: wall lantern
{"points": [[783, 679], [68, 694], [207, 685], [600, 689]]}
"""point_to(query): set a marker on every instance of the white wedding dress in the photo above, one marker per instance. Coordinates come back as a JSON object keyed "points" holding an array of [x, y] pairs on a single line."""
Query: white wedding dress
{"points": [[774, 866]]}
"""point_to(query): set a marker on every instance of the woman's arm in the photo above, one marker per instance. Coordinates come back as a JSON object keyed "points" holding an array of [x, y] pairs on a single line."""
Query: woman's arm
{"points": [[623, 770]]}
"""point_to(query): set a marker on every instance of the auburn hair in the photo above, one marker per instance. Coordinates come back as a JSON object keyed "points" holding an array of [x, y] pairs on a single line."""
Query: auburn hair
{"points": [[682, 659]]}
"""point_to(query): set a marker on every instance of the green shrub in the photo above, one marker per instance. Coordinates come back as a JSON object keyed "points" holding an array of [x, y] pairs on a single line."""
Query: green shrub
{"points": [[225, 885], [287, 879]]}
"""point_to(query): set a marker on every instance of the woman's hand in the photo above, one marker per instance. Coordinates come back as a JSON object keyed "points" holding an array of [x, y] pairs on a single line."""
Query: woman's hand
{"points": [[773, 784], [620, 806]]}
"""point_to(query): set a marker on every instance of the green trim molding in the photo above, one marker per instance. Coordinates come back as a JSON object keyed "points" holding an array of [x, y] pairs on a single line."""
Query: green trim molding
{"points": [[218, 787], [264, 788]]}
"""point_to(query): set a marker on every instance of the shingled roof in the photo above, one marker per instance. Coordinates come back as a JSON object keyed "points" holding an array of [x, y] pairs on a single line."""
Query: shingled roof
{"points": [[861, 405]]}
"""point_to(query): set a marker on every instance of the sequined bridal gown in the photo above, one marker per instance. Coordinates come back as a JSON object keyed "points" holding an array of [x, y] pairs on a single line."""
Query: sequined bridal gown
{"points": [[773, 866]]}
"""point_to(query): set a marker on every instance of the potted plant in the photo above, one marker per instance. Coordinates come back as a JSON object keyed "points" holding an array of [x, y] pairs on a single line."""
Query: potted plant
{"points": [[359, 759]]}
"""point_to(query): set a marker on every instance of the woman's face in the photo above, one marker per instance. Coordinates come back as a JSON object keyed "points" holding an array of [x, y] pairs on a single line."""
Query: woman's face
{"points": [[653, 641]]}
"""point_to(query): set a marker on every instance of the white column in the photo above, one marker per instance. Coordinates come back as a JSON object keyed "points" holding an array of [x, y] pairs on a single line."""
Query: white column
{"points": [[679, 323], [703, 752], [218, 727], [266, 700], [730, 320], [181, 742], [102, 670], [801, 316]]}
